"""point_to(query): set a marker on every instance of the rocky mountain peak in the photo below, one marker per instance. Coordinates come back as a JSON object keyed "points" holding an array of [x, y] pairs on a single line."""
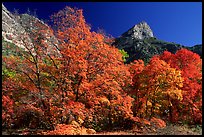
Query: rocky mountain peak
{"points": [[139, 31]]}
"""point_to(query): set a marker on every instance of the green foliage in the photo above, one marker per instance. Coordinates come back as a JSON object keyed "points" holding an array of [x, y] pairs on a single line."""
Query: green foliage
{"points": [[196, 49], [124, 53], [146, 48], [10, 49], [8, 73]]}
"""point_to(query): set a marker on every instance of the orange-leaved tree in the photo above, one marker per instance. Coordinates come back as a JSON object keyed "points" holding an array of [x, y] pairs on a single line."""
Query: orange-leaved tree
{"points": [[155, 87], [31, 84], [190, 65], [91, 69]]}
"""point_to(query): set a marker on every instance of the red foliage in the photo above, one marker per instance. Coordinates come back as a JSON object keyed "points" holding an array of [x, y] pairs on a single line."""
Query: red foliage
{"points": [[75, 82], [155, 87], [7, 111], [94, 68], [190, 65], [84, 79]]}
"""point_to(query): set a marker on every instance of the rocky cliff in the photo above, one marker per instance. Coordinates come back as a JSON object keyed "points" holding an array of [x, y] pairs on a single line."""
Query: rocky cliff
{"points": [[22, 29], [11, 29], [140, 43], [139, 31]]}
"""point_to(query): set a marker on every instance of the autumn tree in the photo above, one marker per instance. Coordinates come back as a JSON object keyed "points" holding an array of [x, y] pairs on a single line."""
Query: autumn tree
{"points": [[63, 81], [94, 69], [155, 87], [190, 65], [31, 84]]}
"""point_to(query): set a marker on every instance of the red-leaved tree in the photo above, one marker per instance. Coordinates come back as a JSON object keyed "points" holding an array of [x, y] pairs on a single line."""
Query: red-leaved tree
{"points": [[190, 65]]}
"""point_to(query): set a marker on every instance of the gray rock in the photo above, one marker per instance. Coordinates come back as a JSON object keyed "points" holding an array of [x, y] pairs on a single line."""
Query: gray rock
{"points": [[140, 43], [21, 30], [139, 31], [11, 29]]}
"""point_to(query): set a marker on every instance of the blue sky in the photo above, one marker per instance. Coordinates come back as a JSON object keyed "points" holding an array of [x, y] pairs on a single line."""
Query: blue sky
{"points": [[179, 22]]}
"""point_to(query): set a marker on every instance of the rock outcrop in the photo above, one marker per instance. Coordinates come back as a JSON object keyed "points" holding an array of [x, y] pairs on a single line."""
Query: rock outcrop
{"points": [[139, 31], [21, 30], [11, 29], [140, 43]]}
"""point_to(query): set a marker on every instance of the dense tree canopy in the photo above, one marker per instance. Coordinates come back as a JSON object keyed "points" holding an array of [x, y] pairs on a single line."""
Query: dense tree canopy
{"points": [[83, 79], [190, 65]]}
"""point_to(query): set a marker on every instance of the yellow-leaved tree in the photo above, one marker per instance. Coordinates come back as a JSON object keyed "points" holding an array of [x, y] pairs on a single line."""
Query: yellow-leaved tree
{"points": [[156, 86]]}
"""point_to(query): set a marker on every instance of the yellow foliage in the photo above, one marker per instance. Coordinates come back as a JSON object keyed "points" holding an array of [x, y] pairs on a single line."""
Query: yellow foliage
{"points": [[104, 100], [80, 121], [157, 105], [149, 103], [75, 124]]}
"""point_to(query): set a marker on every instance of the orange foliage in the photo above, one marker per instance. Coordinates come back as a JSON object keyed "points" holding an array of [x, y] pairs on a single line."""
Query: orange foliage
{"points": [[190, 65], [94, 68], [156, 84], [158, 122], [82, 79]]}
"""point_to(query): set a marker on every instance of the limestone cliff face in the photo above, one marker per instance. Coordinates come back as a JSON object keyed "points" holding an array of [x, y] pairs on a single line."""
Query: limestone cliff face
{"points": [[21, 29], [11, 29]]}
